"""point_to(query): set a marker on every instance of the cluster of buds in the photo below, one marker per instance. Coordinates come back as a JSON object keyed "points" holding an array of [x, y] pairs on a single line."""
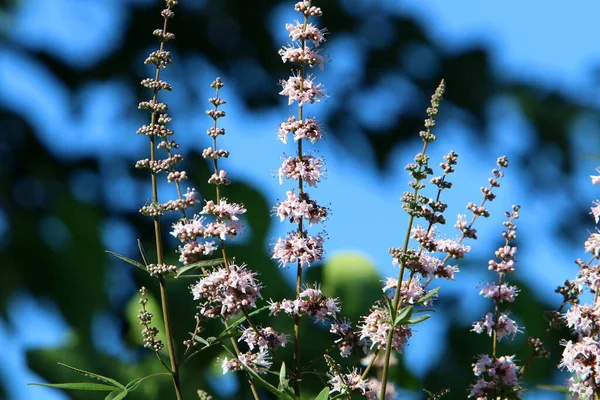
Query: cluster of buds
{"points": [[149, 332], [388, 327], [501, 372], [225, 215], [582, 357], [159, 133], [377, 328]]}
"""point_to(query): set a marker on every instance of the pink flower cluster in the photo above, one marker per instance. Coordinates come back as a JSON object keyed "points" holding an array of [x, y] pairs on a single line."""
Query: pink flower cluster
{"points": [[503, 378], [297, 207], [299, 247], [311, 302], [503, 325], [298, 87], [501, 371], [582, 357], [225, 292], [263, 338], [307, 129], [258, 362], [348, 340], [376, 327], [347, 384], [411, 291], [305, 250], [306, 168]]}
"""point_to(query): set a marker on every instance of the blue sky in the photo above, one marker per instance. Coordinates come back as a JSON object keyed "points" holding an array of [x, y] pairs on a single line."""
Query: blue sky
{"points": [[549, 42]]}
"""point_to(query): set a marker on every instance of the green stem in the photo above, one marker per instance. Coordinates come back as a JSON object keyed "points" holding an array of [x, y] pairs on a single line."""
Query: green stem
{"points": [[169, 336], [159, 249], [396, 302]]}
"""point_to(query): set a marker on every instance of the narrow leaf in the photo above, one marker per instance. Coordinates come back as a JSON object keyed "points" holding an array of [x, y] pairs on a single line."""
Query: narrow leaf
{"points": [[199, 264], [211, 341], [92, 375], [403, 316], [422, 310], [117, 395], [131, 386], [390, 308], [142, 251], [89, 386], [128, 260], [283, 383], [428, 295], [418, 320], [323, 394]]}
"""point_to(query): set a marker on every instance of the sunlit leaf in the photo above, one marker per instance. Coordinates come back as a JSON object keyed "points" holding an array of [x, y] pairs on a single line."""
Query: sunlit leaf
{"points": [[128, 260]]}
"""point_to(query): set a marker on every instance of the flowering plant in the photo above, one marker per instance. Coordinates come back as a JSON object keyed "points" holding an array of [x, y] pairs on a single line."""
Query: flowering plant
{"points": [[228, 292]]}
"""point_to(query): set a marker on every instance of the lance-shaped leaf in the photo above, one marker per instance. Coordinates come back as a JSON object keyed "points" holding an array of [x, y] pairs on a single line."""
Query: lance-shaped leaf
{"points": [[403, 316], [323, 394], [117, 395], [89, 386], [199, 264], [429, 294], [418, 320], [128, 260]]}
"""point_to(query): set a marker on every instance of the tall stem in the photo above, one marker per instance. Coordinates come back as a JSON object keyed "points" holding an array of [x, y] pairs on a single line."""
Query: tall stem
{"points": [[158, 238], [170, 347], [396, 302], [163, 289]]}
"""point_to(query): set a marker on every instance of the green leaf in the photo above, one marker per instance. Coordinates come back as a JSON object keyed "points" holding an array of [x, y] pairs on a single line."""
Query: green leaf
{"points": [[142, 251], [323, 394], [191, 276], [283, 383], [199, 264], [422, 310], [428, 295], [390, 308], [403, 316], [211, 341], [128, 260], [418, 320], [117, 395], [89, 386], [96, 376]]}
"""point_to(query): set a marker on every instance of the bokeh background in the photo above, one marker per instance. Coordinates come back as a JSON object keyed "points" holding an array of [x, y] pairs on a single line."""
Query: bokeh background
{"points": [[522, 80]]}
